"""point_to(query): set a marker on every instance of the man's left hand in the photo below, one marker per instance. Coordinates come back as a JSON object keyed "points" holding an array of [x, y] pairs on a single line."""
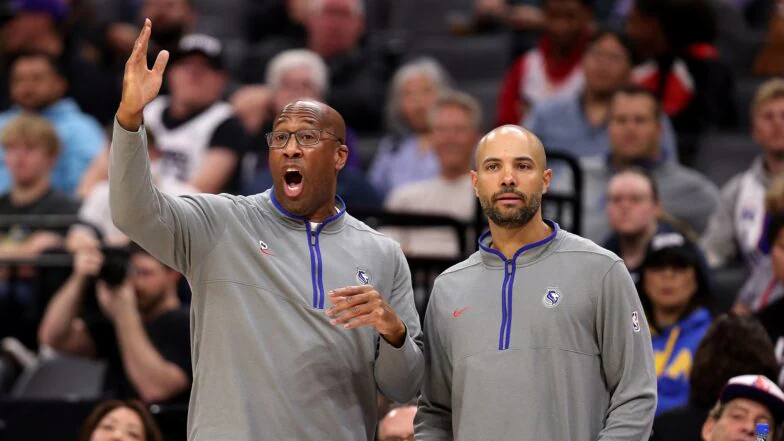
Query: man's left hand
{"points": [[115, 302], [356, 306]]}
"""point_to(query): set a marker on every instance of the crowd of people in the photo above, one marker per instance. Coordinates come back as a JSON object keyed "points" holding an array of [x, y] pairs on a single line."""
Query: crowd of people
{"points": [[629, 89]]}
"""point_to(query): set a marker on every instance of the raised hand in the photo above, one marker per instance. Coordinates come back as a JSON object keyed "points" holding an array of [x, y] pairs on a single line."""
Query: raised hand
{"points": [[140, 84], [357, 306]]}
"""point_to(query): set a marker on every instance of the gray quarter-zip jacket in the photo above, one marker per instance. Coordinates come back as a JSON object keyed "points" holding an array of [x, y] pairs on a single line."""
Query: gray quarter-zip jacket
{"points": [[549, 345], [268, 365]]}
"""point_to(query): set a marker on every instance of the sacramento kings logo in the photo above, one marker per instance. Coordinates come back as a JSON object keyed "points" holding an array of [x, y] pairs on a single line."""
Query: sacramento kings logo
{"points": [[551, 298], [363, 276]]}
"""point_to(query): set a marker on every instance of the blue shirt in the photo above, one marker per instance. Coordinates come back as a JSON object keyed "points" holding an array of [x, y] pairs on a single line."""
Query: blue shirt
{"points": [[673, 352], [81, 139], [562, 126], [400, 161]]}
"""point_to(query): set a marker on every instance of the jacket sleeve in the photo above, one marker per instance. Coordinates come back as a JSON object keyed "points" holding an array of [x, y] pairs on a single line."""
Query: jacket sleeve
{"points": [[718, 241], [627, 358], [434, 416], [399, 371], [669, 144], [178, 231]]}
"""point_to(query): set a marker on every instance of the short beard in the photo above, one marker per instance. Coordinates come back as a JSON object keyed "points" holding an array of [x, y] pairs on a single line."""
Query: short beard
{"points": [[516, 219]]}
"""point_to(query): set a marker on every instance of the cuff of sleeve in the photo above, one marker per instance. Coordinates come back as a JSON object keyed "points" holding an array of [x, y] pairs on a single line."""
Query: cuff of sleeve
{"points": [[405, 354], [120, 129]]}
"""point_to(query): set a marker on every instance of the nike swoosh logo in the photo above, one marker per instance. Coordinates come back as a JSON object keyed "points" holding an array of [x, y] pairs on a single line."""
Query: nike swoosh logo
{"points": [[459, 312]]}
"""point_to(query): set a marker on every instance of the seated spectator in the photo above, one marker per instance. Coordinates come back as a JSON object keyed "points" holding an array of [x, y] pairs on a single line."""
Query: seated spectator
{"points": [[551, 69], [30, 147], [576, 123], [455, 122], [674, 289], [95, 216], [143, 332], [37, 85], [398, 424], [357, 76], [635, 215], [746, 401], [278, 18], [291, 75], [732, 346], [42, 26], [201, 139], [405, 155], [676, 37], [635, 135], [737, 225], [115, 420]]}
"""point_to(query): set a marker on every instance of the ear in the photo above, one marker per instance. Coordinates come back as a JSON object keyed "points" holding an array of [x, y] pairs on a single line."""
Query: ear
{"points": [[474, 179], [341, 156], [707, 429], [547, 178]]}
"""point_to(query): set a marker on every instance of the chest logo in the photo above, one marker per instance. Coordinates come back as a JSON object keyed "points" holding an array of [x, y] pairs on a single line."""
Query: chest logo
{"points": [[264, 248], [552, 297], [363, 276], [636, 321], [459, 312]]}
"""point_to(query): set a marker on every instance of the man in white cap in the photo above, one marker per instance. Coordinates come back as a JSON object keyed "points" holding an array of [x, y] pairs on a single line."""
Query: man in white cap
{"points": [[744, 402]]}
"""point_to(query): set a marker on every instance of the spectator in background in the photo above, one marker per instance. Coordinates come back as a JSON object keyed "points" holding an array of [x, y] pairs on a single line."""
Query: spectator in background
{"points": [[745, 401], [524, 17], [30, 151], [405, 155], [357, 76], [552, 68], [732, 346], [683, 70], [115, 420], [201, 139], [39, 26], [674, 289], [143, 333], [95, 219], [31, 147], [37, 85], [636, 216], [291, 75], [635, 140], [277, 18], [738, 223], [770, 59], [455, 121], [398, 424], [576, 123]]}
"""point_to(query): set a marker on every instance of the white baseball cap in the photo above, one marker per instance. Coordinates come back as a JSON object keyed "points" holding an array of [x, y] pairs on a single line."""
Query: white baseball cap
{"points": [[758, 388]]}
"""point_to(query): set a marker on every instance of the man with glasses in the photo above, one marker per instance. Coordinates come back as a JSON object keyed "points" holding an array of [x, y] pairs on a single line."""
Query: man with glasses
{"points": [[300, 312]]}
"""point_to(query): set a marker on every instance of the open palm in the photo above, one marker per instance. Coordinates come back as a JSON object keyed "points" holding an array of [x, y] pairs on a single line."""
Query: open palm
{"points": [[140, 84]]}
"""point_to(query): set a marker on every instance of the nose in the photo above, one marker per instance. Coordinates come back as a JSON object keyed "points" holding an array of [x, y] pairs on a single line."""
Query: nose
{"points": [[292, 148], [508, 179]]}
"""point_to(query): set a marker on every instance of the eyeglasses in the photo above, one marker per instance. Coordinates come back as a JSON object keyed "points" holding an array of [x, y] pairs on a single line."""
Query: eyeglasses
{"points": [[305, 138]]}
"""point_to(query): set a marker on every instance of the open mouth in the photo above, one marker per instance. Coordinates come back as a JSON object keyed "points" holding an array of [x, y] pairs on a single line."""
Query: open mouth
{"points": [[293, 180]]}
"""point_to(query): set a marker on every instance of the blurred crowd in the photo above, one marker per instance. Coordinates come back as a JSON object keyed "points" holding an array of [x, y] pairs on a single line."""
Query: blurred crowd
{"points": [[664, 120]]}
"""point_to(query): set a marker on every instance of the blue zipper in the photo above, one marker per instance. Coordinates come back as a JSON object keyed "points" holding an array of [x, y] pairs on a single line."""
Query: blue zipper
{"points": [[507, 287], [311, 246]]}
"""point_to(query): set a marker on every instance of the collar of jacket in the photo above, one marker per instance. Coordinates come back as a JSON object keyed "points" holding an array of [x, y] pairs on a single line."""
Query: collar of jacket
{"points": [[331, 224], [525, 255]]}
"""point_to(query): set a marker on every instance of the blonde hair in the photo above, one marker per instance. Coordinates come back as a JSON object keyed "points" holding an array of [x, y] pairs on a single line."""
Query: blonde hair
{"points": [[31, 127], [768, 91]]}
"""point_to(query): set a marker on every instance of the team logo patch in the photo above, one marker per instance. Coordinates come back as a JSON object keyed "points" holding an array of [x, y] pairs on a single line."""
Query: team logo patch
{"points": [[264, 248], [636, 321], [551, 298], [363, 276]]}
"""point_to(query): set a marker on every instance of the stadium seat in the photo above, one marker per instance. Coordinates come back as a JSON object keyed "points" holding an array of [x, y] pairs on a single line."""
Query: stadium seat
{"points": [[428, 17], [745, 89], [486, 91], [722, 155], [62, 377], [476, 57]]}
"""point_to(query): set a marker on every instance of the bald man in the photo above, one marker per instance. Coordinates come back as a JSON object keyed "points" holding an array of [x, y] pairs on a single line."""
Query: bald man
{"points": [[300, 313], [540, 334]]}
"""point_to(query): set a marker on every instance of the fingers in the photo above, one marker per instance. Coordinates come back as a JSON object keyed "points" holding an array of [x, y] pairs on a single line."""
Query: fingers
{"points": [[160, 62], [350, 291], [141, 43], [344, 303], [372, 318], [354, 313]]}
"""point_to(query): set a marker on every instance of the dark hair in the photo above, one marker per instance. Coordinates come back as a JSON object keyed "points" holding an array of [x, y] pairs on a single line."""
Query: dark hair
{"points": [[683, 22], [732, 346], [53, 62], [151, 430], [635, 90], [622, 38]]}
